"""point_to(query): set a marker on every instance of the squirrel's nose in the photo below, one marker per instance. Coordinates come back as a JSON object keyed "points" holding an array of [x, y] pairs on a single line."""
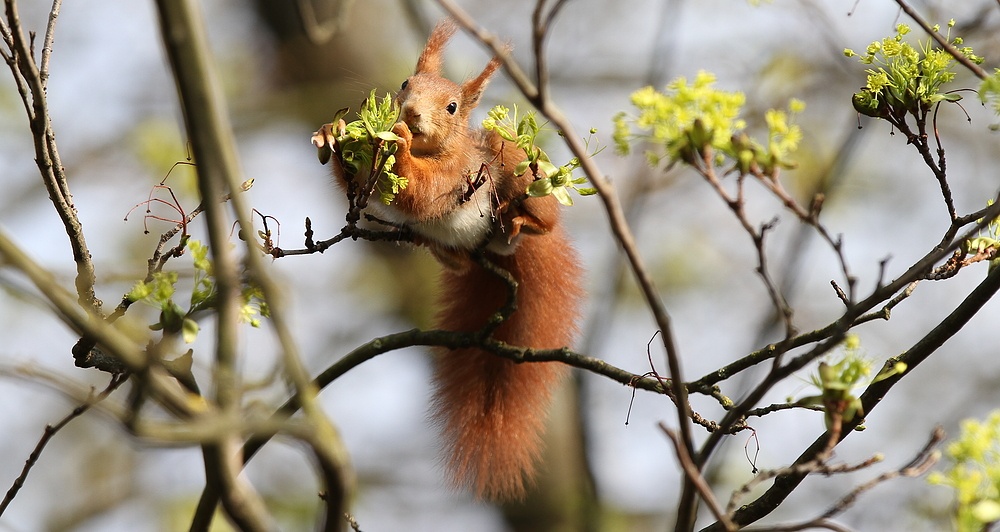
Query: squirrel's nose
{"points": [[410, 115]]}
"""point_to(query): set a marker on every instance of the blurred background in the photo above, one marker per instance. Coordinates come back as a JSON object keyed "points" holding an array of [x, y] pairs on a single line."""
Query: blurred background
{"points": [[288, 66]]}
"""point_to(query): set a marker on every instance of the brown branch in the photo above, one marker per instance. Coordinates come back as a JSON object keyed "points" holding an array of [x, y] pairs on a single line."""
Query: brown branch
{"points": [[31, 86], [919, 465], [923, 461], [52, 430], [211, 138], [919, 140], [817, 465], [706, 168], [897, 290], [947, 46], [954, 322], [693, 473], [349, 231], [439, 338], [50, 33], [810, 217]]}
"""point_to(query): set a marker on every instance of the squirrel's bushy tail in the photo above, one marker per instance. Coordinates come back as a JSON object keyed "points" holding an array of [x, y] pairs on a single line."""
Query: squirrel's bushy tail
{"points": [[491, 410]]}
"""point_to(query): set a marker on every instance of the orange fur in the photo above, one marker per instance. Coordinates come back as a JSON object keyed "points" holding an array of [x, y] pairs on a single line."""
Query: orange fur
{"points": [[491, 410]]}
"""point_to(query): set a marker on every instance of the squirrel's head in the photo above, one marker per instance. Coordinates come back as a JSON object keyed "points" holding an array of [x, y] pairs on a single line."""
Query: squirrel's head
{"points": [[435, 109]]}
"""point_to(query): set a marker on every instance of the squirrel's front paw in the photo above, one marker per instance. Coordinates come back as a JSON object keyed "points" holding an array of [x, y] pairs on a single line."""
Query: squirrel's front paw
{"points": [[405, 136], [325, 139]]}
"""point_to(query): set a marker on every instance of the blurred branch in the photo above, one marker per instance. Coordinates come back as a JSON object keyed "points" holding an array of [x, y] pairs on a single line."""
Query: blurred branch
{"points": [[321, 31], [50, 431], [124, 344], [210, 134], [31, 84]]}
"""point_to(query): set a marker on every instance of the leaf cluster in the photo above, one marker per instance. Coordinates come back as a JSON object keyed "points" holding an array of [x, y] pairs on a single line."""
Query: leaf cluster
{"points": [[906, 79], [974, 474], [160, 289], [366, 146], [548, 178], [692, 122], [838, 381]]}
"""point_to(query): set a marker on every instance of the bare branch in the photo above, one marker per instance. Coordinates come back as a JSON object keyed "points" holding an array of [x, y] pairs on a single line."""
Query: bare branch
{"points": [[210, 134], [50, 33], [923, 461], [50, 431], [785, 484], [31, 87], [693, 472]]}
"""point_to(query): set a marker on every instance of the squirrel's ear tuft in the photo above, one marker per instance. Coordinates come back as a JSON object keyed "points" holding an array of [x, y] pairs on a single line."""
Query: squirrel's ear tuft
{"points": [[473, 89], [430, 59]]}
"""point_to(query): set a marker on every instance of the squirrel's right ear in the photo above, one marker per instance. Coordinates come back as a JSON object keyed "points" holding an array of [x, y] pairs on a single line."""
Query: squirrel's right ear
{"points": [[430, 59], [472, 89]]}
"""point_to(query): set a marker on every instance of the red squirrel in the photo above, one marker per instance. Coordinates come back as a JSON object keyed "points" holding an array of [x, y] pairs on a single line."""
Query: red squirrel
{"points": [[463, 197]]}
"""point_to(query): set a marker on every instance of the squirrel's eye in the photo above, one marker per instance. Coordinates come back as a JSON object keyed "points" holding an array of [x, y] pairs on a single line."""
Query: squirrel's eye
{"points": [[452, 107], [403, 86]]}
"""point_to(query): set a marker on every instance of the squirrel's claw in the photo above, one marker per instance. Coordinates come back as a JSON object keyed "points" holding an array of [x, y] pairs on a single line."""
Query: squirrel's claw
{"points": [[402, 131], [325, 139]]}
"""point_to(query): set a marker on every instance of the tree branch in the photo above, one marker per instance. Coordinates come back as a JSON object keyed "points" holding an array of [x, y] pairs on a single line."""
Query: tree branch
{"points": [[52, 430], [954, 322], [208, 130], [210, 133], [31, 86], [947, 46]]}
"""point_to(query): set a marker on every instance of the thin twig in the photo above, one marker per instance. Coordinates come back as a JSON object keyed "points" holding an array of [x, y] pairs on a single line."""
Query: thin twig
{"points": [[52, 430], [31, 88], [919, 465], [50, 32], [872, 397], [693, 472], [947, 46]]}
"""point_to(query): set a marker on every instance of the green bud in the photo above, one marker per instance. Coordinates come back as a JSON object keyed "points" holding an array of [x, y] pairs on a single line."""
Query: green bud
{"points": [[540, 188], [745, 160], [521, 168], [867, 105], [700, 135], [561, 178]]}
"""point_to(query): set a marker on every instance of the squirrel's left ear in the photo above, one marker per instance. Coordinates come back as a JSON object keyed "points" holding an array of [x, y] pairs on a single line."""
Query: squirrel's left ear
{"points": [[431, 58], [472, 89]]}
